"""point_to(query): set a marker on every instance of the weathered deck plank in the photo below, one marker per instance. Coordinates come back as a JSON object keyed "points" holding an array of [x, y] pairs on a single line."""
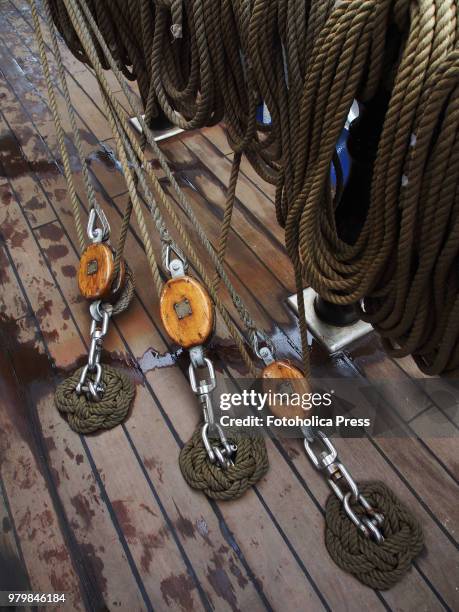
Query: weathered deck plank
{"points": [[13, 573], [48, 560]]}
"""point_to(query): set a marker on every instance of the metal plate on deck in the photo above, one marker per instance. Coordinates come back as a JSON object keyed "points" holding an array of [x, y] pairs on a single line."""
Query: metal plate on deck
{"points": [[159, 135], [333, 338]]}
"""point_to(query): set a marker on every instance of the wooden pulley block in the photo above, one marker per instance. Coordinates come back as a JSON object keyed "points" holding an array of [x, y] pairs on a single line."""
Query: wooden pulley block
{"points": [[96, 274], [283, 377], [186, 311]]}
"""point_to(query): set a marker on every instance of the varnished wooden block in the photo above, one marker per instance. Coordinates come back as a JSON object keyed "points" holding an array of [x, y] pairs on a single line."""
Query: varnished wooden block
{"points": [[96, 272], [186, 311], [283, 377]]}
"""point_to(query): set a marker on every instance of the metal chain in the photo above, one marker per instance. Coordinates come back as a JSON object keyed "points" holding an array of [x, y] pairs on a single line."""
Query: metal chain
{"points": [[342, 484], [90, 380]]}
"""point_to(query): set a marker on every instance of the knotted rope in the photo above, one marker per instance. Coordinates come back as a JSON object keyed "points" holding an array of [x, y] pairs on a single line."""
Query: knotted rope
{"points": [[250, 464], [85, 416], [379, 566]]}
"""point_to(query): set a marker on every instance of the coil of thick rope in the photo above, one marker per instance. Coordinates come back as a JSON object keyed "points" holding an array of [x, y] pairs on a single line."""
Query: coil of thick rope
{"points": [[399, 276], [379, 567], [231, 55], [259, 51]]}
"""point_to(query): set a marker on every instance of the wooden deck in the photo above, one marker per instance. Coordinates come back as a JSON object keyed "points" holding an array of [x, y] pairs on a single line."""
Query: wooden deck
{"points": [[108, 518]]}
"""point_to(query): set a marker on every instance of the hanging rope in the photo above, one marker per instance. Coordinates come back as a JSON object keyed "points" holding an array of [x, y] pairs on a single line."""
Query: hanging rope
{"points": [[227, 215], [308, 62], [387, 261]]}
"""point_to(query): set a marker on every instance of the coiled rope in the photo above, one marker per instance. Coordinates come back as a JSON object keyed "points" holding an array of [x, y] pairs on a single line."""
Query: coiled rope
{"points": [[308, 61], [379, 566], [85, 416], [250, 465]]}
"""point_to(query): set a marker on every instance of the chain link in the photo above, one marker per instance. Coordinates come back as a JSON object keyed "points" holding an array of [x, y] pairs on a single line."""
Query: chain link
{"points": [[343, 485], [90, 380]]}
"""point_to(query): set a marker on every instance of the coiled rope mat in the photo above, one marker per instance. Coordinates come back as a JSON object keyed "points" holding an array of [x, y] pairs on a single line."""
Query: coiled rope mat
{"points": [[308, 61], [250, 465], [85, 416], [379, 566]]}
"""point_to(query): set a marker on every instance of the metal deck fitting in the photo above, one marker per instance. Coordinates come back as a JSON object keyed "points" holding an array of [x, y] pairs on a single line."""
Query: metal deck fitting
{"points": [[334, 338], [159, 135]]}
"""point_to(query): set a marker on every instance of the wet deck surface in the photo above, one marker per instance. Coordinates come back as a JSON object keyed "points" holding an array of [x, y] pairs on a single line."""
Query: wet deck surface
{"points": [[108, 518]]}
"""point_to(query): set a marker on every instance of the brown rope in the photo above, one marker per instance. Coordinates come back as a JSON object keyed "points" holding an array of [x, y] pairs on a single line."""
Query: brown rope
{"points": [[308, 62], [250, 465], [227, 215], [379, 566], [85, 416]]}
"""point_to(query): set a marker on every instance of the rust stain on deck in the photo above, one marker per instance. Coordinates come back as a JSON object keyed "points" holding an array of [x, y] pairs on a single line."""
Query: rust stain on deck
{"points": [[34, 204], [221, 582], [51, 231], [13, 164], [56, 251], [83, 509], [96, 565], [177, 588], [184, 525], [150, 542], [122, 514], [12, 235]]}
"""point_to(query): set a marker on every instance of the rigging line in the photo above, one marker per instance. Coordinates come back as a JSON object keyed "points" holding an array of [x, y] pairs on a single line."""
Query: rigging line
{"points": [[242, 310], [59, 130], [163, 199]]}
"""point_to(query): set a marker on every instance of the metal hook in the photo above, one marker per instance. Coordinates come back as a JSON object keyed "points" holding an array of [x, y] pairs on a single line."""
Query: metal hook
{"points": [[97, 234], [175, 261], [324, 460], [265, 352]]}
